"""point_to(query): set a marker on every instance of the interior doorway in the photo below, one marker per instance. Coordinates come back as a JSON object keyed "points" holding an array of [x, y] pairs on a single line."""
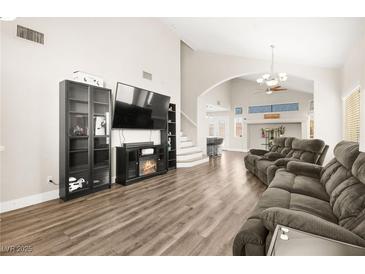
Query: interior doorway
{"points": [[218, 126]]}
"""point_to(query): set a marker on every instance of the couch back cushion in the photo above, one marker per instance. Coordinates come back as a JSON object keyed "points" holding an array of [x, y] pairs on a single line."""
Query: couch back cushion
{"points": [[307, 150], [344, 181], [282, 145]]}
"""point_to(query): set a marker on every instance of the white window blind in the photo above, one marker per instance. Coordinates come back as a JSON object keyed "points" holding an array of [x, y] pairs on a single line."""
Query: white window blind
{"points": [[352, 117]]}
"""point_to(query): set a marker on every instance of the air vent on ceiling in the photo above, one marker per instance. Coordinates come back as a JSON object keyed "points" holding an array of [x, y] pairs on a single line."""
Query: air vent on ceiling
{"points": [[30, 34], [147, 75]]}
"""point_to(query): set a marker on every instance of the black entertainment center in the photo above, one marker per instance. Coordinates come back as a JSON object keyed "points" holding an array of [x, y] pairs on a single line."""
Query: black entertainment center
{"points": [[85, 136], [138, 161]]}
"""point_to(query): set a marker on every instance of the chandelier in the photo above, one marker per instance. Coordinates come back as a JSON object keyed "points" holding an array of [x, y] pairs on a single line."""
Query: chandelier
{"points": [[272, 79]]}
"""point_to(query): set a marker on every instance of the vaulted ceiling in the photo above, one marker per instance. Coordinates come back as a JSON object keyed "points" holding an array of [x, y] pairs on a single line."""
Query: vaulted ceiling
{"points": [[322, 42]]}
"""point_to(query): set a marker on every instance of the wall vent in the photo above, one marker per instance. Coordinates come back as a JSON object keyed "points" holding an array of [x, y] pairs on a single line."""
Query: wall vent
{"points": [[30, 34], [147, 75]]}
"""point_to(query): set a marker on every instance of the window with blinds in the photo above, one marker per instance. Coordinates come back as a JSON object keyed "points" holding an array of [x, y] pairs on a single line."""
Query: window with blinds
{"points": [[352, 117]]}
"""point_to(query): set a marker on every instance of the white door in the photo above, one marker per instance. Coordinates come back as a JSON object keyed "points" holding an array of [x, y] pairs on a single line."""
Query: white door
{"points": [[219, 127]]}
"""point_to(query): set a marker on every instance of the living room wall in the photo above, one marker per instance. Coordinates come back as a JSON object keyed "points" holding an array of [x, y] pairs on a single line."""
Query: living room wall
{"points": [[202, 71], [116, 49], [243, 93], [353, 76]]}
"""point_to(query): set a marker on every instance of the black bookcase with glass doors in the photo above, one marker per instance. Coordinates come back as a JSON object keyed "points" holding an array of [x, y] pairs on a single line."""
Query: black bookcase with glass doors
{"points": [[85, 139]]}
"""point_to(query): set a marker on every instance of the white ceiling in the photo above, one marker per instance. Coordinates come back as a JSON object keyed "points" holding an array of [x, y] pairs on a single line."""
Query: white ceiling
{"points": [[293, 83], [322, 42]]}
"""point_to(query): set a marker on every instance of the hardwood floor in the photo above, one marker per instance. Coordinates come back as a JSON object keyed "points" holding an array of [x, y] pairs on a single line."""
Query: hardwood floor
{"points": [[193, 211]]}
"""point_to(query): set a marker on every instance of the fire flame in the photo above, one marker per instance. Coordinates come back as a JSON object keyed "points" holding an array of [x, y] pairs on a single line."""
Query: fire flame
{"points": [[149, 166]]}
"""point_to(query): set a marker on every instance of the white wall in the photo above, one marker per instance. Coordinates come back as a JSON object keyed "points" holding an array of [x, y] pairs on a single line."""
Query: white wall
{"points": [[116, 49], [353, 76], [220, 93], [202, 71]]}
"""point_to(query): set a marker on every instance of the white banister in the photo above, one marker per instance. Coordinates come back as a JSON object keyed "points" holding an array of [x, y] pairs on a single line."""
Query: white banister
{"points": [[188, 118]]}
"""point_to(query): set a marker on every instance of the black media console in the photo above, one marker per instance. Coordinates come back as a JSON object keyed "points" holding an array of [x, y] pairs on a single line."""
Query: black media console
{"points": [[138, 161]]}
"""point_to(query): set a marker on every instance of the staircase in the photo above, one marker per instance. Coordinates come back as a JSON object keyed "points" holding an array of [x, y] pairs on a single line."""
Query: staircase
{"points": [[189, 155]]}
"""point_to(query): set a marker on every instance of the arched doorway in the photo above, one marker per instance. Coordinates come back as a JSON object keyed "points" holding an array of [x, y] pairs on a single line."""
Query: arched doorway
{"points": [[233, 99]]}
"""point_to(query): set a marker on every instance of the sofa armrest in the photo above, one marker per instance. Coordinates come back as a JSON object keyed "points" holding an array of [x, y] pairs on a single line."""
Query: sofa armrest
{"points": [[251, 239], [259, 152], [270, 172], [272, 156], [284, 161], [309, 223], [305, 169]]}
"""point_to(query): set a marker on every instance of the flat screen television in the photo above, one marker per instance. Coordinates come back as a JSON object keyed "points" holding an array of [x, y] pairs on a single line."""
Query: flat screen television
{"points": [[137, 108]]}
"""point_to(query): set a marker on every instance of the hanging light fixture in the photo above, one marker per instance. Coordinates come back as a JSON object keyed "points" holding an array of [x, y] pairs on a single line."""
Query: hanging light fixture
{"points": [[272, 79]]}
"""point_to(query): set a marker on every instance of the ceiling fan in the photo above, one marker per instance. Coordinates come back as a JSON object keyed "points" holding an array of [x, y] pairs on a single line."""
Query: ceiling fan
{"points": [[270, 90], [272, 80]]}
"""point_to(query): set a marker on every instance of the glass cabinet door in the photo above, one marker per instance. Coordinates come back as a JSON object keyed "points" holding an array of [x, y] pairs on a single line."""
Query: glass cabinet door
{"points": [[101, 138], [78, 132]]}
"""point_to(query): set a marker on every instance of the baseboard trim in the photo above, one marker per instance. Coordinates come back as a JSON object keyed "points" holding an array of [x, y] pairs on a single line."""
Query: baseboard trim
{"points": [[28, 201], [236, 149], [32, 200]]}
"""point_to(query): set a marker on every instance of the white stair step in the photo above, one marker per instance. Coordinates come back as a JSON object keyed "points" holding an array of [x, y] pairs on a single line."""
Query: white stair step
{"points": [[186, 144], [184, 139], [192, 163], [190, 157], [188, 150]]}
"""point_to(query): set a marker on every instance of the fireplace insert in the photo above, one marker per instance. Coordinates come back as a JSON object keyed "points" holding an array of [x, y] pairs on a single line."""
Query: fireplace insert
{"points": [[147, 165]]}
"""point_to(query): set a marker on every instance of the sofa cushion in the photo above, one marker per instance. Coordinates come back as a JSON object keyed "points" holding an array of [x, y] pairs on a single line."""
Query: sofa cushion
{"points": [[272, 156], [263, 164], [283, 198], [343, 179], [358, 168], [305, 169], [272, 197], [311, 205], [307, 150], [310, 145], [346, 153], [333, 175], [282, 145], [299, 184], [251, 159]]}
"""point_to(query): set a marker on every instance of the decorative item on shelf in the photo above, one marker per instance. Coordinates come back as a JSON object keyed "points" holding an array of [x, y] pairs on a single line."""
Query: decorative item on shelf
{"points": [[87, 78], [169, 144], [100, 126], [74, 184], [170, 108], [78, 131]]}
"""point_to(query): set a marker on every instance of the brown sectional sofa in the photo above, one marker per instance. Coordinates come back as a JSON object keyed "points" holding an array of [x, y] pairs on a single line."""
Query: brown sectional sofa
{"points": [[327, 201], [264, 163]]}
